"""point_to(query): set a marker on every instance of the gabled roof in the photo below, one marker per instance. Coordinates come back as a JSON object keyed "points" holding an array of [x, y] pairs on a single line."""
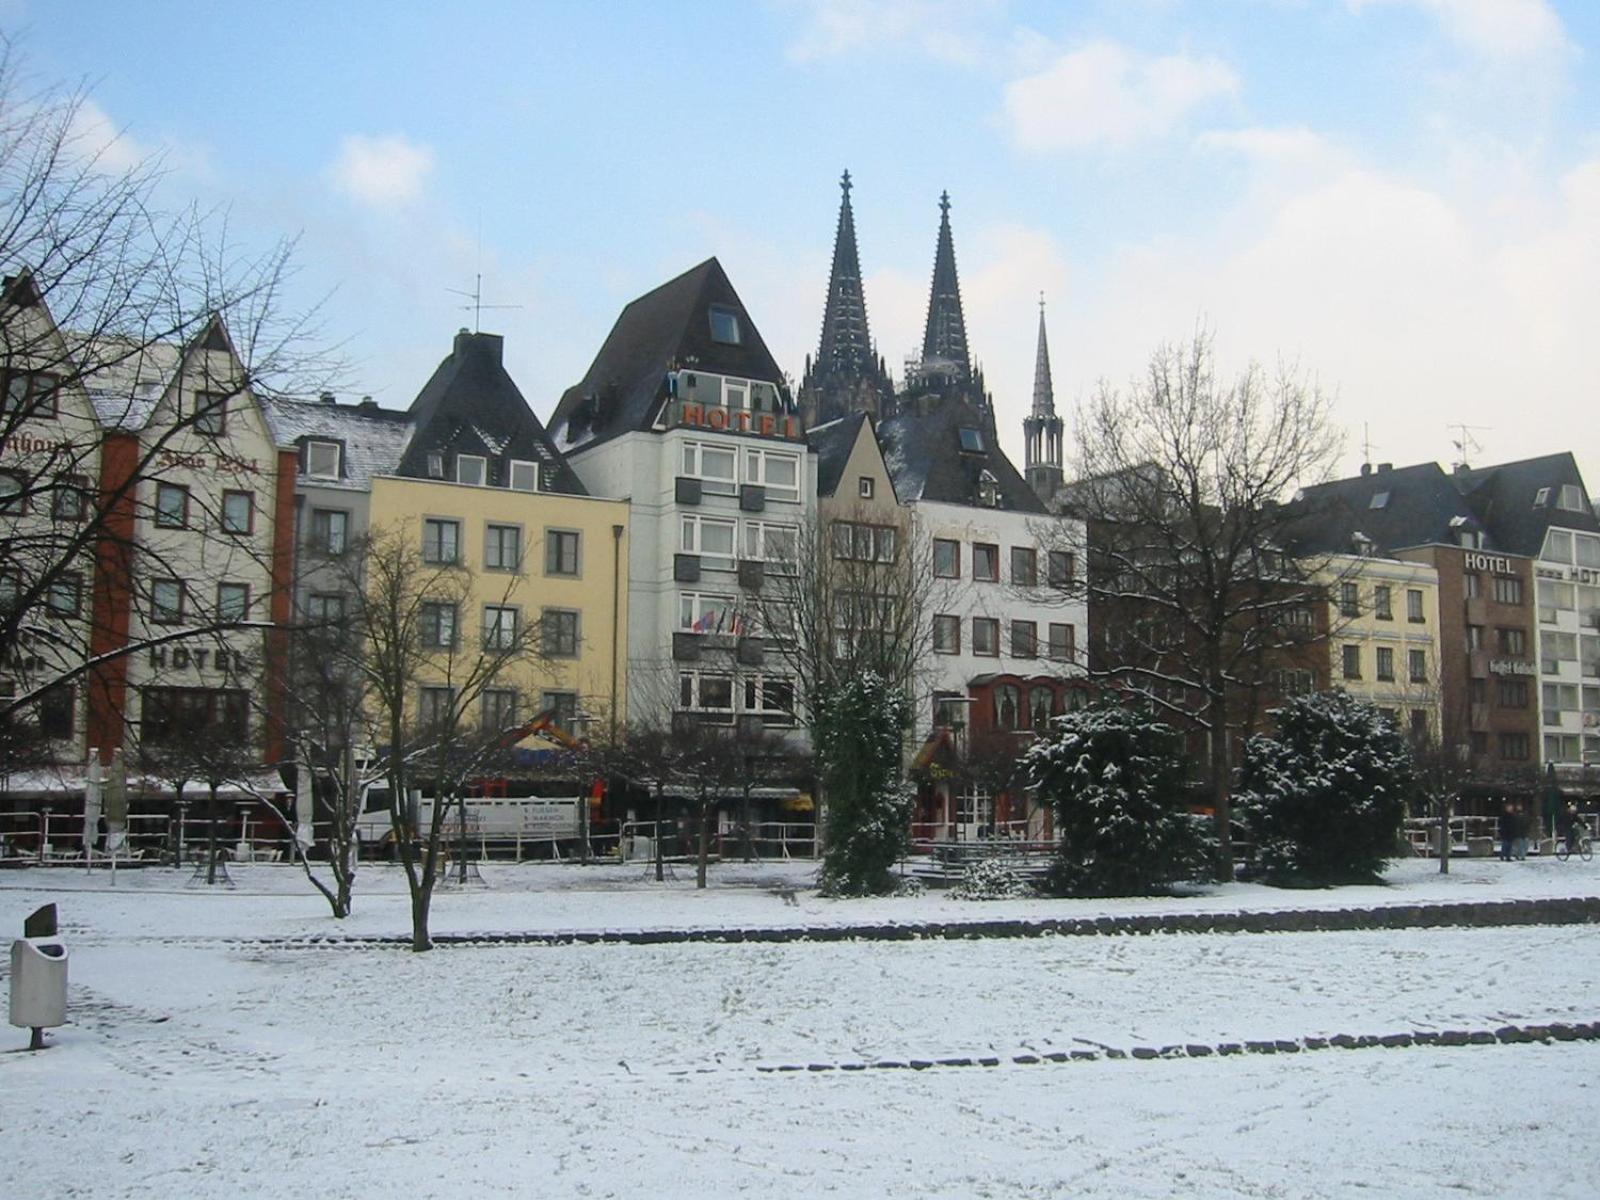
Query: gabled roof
{"points": [[661, 331], [1503, 498], [374, 439], [927, 460], [126, 377], [1397, 507], [471, 405], [833, 444]]}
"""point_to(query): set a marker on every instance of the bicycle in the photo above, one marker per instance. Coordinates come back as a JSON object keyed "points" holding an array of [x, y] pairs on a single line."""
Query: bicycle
{"points": [[1585, 848]]}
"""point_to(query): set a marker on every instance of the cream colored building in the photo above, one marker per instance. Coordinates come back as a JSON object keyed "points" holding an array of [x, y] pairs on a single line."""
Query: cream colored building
{"points": [[1383, 636]]}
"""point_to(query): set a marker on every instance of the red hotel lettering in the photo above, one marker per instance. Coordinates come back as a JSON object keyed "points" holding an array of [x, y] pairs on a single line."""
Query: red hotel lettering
{"points": [[717, 418], [769, 425]]}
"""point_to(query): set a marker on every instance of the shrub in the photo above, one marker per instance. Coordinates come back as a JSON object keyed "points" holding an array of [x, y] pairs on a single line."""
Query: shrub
{"points": [[859, 732], [991, 879]]}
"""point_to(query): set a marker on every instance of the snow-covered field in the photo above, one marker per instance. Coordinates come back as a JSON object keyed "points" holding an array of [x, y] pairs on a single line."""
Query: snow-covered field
{"points": [[196, 1066]]}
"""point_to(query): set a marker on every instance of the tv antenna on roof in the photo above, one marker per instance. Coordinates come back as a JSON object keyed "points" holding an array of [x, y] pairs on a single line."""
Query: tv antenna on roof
{"points": [[1466, 445], [477, 306]]}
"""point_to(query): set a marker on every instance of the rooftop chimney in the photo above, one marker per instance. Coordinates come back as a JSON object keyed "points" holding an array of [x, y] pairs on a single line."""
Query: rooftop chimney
{"points": [[479, 345], [1385, 468], [1366, 468], [327, 398]]}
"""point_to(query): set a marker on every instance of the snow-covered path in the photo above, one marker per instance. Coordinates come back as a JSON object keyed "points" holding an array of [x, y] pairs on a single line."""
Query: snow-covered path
{"points": [[196, 1067]]}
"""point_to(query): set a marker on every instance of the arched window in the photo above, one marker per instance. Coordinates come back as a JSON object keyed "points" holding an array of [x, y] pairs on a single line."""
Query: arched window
{"points": [[1007, 706], [1040, 705]]}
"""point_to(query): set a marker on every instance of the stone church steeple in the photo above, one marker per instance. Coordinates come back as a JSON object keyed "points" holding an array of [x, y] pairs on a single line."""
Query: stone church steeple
{"points": [[1041, 429], [847, 375], [945, 370]]}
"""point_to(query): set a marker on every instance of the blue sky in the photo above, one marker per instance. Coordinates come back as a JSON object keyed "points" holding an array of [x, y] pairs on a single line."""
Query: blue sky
{"points": [[1402, 196]]}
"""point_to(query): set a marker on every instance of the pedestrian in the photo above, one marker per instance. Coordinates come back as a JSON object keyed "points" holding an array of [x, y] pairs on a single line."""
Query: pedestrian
{"points": [[1520, 842], [1507, 829], [1567, 825]]}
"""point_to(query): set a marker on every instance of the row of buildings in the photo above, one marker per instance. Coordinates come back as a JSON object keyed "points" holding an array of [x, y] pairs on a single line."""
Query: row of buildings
{"points": [[670, 490]]}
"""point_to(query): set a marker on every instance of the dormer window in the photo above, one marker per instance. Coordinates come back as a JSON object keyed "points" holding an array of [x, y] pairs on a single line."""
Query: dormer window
{"points": [[322, 460], [971, 440], [988, 490], [435, 466], [725, 325], [524, 476], [1541, 498], [471, 469], [1571, 498], [1379, 500]]}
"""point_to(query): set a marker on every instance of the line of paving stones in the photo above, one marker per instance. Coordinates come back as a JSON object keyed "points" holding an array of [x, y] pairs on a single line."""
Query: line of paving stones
{"points": [[1561, 1031], [1578, 910]]}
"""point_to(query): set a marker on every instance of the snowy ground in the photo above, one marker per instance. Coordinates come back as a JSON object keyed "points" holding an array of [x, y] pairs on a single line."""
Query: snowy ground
{"points": [[196, 1067]]}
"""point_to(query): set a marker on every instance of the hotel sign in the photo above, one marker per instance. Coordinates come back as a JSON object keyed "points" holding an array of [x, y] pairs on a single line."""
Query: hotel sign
{"points": [[1510, 666], [1489, 562], [688, 414], [1569, 574]]}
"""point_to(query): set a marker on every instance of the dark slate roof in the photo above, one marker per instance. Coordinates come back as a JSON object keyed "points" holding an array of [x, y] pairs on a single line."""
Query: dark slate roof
{"points": [[472, 406], [832, 444], [926, 461], [1503, 499], [1419, 510], [373, 438], [661, 331]]}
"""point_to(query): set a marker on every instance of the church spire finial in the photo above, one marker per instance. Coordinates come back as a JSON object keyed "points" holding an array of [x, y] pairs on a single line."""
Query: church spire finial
{"points": [[1044, 400], [844, 183]]}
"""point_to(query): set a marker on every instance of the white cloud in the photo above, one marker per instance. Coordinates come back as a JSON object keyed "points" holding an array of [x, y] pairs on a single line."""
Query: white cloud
{"points": [[1499, 30], [380, 171], [96, 139], [1104, 95], [944, 30]]}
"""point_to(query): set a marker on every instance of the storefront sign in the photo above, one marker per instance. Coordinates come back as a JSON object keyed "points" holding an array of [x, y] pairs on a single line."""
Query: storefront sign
{"points": [[200, 462], [1489, 562], [1509, 666], [182, 658]]}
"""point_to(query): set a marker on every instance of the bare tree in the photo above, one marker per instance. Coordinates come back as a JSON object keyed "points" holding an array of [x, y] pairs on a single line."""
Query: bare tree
{"points": [[1183, 484], [212, 756]]}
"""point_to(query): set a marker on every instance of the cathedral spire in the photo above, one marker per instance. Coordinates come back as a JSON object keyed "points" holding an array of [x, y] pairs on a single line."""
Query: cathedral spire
{"points": [[1044, 398], [846, 343], [946, 335]]}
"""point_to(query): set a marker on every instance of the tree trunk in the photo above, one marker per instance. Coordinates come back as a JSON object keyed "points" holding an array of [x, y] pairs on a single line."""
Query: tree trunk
{"points": [[1445, 810], [661, 869], [704, 856], [211, 838], [420, 899], [1221, 796], [746, 835], [461, 843]]}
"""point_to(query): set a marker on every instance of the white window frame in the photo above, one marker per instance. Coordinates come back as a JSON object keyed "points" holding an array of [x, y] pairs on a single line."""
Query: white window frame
{"points": [[521, 467], [757, 470], [692, 539], [707, 612], [312, 448], [697, 681], [481, 470], [693, 464], [756, 536]]}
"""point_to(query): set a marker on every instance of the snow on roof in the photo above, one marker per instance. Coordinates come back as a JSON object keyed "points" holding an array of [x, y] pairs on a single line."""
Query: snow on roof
{"points": [[374, 438]]}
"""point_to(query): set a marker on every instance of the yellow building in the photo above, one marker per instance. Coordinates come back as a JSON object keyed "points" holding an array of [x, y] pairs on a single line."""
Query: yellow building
{"points": [[1383, 636]]}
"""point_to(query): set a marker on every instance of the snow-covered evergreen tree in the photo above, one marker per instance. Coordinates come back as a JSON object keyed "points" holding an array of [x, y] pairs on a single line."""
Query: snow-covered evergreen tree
{"points": [[860, 730], [1323, 801], [1114, 776]]}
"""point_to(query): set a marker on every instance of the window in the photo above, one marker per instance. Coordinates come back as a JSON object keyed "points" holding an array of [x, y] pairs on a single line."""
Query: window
{"points": [[562, 707], [437, 624], [1471, 586], [1417, 665], [1588, 551], [172, 506], [238, 512], [971, 439], [1558, 546], [1041, 703], [1294, 681], [502, 547], [523, 476], [946, 634], [986, 636], [1379, 500], [1512, 641], [435, 465], [777, 544], [711, 538], [325, 608], [168, 713], [1474, 637], [985, 562], [1352, 662], [561, 551], [1024, 566], [864, 487], [705, 693], [471, 469], [988, 490], [322, 460], [1061, 567], [441, 541], [778, 473], [949, 710], [67, 504], [435, 706], [735, 393], [1541, 497], [706, 612], [771, 699], [499, 708], [33, 394], [1553, 598], [864, 543], [210, 413], [712, 466], [1007, 706], [1555, 649], [1419, 723], [946, 558], [1349, 599], [1512, 693], [724, 325], [166, 602], [330, 530], [1381, 607], [1386, 664], [56, 712], [1414, 606], [233, 601], [560, 629], [64, 595], [1062, 642], [1024, 639], [13, 502], [499, 627], [1571, 498], [1507, 589], [1514, 747]]}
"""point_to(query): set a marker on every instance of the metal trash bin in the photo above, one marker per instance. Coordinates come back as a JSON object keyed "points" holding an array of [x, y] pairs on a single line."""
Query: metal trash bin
{"points": [[39, 978]]}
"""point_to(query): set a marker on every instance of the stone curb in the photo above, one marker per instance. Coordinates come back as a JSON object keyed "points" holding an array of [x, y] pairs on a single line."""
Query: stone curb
{"points": [[1578, 910], [1583, 1031]]}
